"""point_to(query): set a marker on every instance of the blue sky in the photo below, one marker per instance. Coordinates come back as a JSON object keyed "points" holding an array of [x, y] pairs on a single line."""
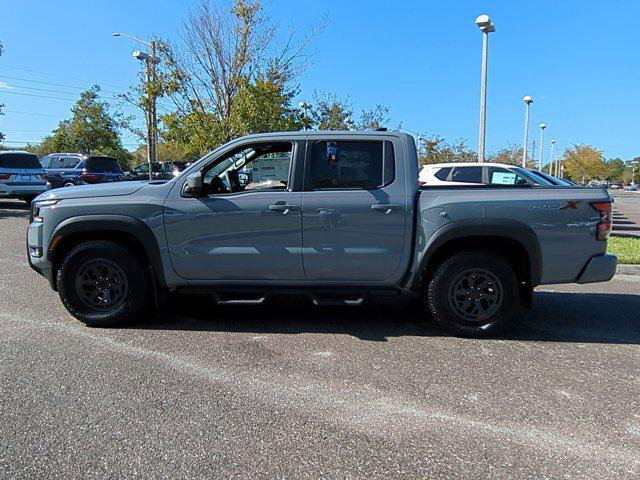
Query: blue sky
{"points": [[577, 59]]}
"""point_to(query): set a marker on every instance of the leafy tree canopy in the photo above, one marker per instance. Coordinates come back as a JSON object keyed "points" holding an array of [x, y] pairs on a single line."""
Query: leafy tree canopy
{"points": [[92, 129]]}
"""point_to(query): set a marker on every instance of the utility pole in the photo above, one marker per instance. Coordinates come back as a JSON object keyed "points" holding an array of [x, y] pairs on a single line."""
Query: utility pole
{"points": [[486, 26], [150, 86], [553, 144]]}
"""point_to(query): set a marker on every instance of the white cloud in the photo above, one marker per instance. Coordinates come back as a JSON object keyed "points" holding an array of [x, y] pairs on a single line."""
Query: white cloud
{"points": [[5, 85]]}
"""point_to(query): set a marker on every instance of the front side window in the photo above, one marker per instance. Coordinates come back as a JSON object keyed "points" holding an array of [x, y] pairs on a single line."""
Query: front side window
{"points": [[259, 167], [467, 175], [502, 176], [346, 164]]}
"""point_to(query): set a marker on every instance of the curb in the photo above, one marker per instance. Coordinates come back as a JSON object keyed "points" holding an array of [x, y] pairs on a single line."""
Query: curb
{"points": [[624, 269]]}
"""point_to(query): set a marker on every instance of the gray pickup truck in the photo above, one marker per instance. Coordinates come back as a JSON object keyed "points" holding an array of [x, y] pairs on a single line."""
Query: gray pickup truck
{"points": [[337, 216]]}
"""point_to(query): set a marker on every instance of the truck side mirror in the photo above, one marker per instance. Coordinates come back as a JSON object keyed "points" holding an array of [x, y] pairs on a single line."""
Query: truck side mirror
{"points": [[194, 187]]}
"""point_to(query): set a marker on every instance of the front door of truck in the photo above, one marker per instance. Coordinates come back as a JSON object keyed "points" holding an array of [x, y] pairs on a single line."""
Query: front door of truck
{"points": [[247, 225], [355, 210]]}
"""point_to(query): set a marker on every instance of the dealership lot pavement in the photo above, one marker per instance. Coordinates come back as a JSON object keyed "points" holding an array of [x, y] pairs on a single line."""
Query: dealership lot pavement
{"points": [[626, 214], [293, 391]]}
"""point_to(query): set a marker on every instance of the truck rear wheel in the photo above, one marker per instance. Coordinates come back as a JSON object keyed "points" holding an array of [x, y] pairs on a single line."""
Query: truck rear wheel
{"points": [[473, 293], [102, 284]]}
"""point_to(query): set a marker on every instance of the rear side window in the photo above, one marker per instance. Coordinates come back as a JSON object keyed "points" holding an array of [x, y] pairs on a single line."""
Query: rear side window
{"points": [[102, 164], [20, 160], [70, 162], [467, 174], [443, 173], [345, 164]]}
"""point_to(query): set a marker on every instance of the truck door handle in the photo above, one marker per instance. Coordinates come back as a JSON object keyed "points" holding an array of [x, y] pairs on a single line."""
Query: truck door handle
{"points": [[283, 207], [386, 208]]}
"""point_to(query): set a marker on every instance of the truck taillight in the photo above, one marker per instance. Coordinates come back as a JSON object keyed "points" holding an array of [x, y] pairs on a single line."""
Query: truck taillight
{"points": [[603, 228], [5, 176]]}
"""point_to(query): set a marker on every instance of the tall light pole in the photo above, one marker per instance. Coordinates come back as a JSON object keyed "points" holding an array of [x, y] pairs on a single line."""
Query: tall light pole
{"points": [[528, 101], [486, 26], [542, 127], [150, 82], [305, 106], [553, 144]]}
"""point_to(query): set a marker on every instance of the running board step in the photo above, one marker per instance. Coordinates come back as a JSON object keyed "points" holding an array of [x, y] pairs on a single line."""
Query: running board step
{"points": [[336, 300], [239, 298]]}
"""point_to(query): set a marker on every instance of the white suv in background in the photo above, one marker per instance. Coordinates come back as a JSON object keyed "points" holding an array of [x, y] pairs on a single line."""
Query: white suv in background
{"points": [[473, 173]]}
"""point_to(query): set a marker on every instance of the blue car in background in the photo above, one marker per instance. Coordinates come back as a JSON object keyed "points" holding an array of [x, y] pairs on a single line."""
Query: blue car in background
{"points": [[71, 169], [21, 176]]}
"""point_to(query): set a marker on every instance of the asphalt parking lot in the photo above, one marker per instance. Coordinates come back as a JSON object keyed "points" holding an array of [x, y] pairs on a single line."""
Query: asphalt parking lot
{"points": [[626, 214], [291, 391]]}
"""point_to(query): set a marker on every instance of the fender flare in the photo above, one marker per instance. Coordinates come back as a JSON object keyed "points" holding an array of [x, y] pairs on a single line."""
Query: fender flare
{"points": [[113, 223], [511, 229]]}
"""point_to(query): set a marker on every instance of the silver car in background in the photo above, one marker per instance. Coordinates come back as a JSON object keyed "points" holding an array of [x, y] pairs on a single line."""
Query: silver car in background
{"points": [[21, 175]]}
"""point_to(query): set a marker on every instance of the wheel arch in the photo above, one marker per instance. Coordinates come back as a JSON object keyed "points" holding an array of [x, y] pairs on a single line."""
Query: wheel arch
{"points": [[128, 231], [511, 239]]}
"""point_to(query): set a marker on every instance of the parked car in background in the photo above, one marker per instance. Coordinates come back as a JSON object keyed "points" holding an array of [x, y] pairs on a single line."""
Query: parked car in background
{"points": [[160, 171], [473, 173], [631, 188], [71, 169], [21, 175], [563, 182], [615, 186]]}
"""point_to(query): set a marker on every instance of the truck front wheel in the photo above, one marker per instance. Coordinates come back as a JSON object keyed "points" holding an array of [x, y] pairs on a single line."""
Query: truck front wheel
{"points": [[473, 293], [101, 283]]}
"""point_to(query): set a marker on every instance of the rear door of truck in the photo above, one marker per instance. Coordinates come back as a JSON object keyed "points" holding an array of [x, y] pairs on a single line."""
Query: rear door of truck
{"points": [[355, 209]]}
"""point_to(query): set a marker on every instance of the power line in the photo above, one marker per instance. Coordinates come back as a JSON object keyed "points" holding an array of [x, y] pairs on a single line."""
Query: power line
{"points": [[57, 75], [52, 91], [33, 113], [39, 96], [53, 83]]}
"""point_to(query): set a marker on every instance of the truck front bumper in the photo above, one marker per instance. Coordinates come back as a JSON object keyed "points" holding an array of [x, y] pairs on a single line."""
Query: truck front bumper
{"points": [[36, 255], [599, 269]]}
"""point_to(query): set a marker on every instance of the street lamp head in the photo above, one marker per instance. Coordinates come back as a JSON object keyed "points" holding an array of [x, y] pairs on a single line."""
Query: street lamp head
{"points": [[485, 24], [543, 126], [527, 99], [117, 34], [553, 140], [137, 54]]}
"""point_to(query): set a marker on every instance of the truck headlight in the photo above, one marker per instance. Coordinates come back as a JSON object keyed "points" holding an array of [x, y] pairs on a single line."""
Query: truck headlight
{"points": [[36, 208]]}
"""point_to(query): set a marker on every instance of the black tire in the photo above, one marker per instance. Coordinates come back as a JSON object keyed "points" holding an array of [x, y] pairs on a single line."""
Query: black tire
{"points": [[120, 296], [69, 184], [473, 294], [29, 199]]}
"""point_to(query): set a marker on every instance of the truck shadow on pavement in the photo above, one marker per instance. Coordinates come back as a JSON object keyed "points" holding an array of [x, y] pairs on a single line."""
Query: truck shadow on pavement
{"points": [[556, 317], [13, 210]]}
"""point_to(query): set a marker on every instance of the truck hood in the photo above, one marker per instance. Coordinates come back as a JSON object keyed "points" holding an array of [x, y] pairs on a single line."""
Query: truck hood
{"points": [[95, 190]]}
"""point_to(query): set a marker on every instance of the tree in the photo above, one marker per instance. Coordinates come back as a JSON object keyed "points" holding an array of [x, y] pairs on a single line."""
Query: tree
{"points": [[330, 113], [435, 149], [232, 79], [374, 118], [614, 170], [511, 154], [583, 163], [92, 129]]}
